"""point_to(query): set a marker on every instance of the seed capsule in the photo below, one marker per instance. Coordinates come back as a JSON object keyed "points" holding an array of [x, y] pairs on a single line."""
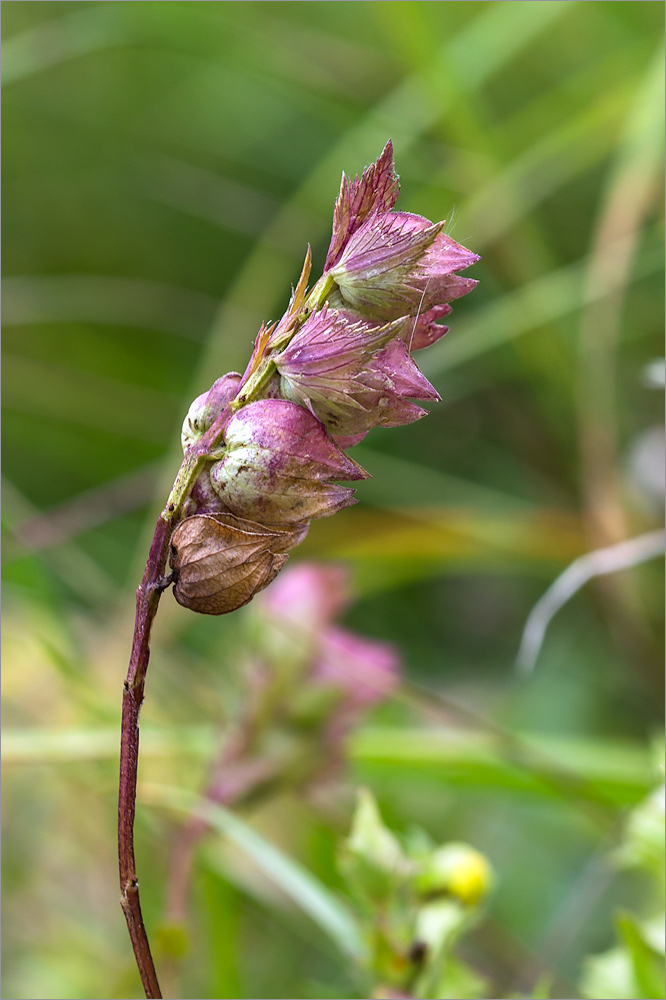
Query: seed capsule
{"points": [[207, 407]]}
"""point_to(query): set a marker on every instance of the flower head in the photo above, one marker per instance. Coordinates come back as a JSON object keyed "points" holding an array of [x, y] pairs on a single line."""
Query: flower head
{"points": [[336, 365]]}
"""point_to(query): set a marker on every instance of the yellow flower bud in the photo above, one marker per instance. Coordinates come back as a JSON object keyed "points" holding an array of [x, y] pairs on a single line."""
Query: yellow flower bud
{"points": [[456, 869]]}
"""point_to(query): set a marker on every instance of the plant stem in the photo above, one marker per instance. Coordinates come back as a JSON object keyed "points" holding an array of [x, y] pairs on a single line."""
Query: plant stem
{"points": [[147, 600]]}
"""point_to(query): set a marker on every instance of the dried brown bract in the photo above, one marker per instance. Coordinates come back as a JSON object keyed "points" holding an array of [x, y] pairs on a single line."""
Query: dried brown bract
{"points": [[220, 561]]}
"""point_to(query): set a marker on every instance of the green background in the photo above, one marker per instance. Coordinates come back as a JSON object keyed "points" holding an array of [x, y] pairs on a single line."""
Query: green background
{"points": [[165, 166]]}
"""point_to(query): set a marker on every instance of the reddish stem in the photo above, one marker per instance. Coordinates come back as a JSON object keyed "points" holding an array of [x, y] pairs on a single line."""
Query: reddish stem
{"points": [[147, 599]]}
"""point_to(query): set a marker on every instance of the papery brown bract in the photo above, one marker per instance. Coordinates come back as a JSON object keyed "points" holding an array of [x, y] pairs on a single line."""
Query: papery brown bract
{"points": [[279, 465], [285, 539], [220, 562]]}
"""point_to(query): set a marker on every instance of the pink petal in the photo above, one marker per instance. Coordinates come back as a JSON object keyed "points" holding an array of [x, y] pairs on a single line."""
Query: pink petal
{"points": [[442, 289], [424, 330], [349, 440], [445, 255]]}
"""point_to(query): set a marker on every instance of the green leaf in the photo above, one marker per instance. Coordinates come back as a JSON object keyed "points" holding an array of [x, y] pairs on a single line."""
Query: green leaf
{"points": [[647, 964]]}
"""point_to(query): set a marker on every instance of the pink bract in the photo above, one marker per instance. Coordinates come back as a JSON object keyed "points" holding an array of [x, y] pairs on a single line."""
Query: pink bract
{"points": [[279, 465]]}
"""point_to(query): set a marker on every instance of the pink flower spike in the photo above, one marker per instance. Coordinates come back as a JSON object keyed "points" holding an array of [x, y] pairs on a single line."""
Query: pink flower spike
{"points": [[376, 191], [278, 466]]}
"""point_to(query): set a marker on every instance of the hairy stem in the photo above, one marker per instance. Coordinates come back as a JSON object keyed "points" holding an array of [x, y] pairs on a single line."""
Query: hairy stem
{"points": [[148, 596]]}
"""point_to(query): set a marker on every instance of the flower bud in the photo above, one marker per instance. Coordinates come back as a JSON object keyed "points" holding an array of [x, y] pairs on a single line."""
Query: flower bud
{"points": [[278, 465], [353, 374], [372, 859], [457, 870], [220, 562], [397, 264], [204, 497], [207, 407]]}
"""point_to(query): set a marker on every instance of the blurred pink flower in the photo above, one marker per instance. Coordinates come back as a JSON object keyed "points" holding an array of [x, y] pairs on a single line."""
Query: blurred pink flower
{"points": [[308, 595], [365, 670]]}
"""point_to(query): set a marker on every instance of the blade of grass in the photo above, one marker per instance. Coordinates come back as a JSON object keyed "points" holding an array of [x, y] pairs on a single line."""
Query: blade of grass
{"points": [[303, 888], [105, 299], [633, 185], [622, 770]]}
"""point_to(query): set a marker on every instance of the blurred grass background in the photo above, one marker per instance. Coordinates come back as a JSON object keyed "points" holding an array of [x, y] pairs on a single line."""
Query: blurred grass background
{"points": [[165, 165]]}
